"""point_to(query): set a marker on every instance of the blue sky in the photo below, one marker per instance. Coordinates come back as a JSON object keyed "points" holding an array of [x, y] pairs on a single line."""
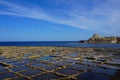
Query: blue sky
{"points": [[58, 20]]}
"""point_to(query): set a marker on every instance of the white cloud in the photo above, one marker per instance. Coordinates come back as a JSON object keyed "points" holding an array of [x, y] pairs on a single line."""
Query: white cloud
{"points": [[102, 18], [36, 14]]}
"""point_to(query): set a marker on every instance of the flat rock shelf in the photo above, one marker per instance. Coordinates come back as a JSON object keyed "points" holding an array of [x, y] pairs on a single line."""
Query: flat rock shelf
{"points": [[75, 65]]}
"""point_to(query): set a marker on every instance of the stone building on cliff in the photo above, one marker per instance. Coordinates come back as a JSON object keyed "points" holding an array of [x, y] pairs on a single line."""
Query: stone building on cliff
{"points": [[98, 39]]}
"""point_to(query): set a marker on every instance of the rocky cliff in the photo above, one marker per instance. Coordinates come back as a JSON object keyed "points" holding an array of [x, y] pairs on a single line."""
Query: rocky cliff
{"points": [[98, 39]]}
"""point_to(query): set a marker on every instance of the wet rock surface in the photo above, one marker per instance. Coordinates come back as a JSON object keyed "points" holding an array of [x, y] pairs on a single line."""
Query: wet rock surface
{"points": [[59, 63]]}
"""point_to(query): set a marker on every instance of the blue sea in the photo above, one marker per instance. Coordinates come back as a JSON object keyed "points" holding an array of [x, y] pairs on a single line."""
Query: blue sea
{"points": [[60, 44]]}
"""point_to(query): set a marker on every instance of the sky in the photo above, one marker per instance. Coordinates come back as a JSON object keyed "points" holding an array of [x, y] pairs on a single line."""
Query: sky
{"points": [[58, 20]]}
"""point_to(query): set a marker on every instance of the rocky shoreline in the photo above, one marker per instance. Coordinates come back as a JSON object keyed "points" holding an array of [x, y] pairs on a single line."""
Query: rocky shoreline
{"points": [[20, 52], [101, 62]]}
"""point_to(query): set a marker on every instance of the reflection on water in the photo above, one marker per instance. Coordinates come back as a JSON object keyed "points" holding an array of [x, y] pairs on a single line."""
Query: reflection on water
{"points": [[92, 76], [44, 58], [64, 67]]}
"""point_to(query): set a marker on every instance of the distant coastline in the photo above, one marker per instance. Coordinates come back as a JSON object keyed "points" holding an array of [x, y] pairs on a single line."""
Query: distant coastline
{"points": [[96, 39]]}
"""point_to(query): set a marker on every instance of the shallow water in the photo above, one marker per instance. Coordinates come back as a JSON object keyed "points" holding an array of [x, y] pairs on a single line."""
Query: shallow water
{"points": [[92, 76], [80, 67], [45, 58], [89, 63], [31, 72], [55, 67], [67, 71], [110, 67], [7, 75], [47, 76], [104, 71]]}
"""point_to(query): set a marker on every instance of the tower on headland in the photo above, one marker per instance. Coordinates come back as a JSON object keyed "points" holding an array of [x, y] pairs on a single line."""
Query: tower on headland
{"points": [[96, 36]]}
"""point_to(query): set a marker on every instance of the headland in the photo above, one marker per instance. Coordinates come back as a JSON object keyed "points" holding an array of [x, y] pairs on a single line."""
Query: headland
{"points": [[96, 39]]}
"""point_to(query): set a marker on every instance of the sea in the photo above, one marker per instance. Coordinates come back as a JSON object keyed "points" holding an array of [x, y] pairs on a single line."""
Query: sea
{"points": [[60, 44]]}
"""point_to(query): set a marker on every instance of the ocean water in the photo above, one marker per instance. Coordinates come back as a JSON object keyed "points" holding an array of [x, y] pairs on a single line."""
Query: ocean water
{"points": [[60, 44]]}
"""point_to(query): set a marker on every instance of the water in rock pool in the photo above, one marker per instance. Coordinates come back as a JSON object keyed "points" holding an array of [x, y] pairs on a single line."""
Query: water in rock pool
{"points": [[57, 68]]}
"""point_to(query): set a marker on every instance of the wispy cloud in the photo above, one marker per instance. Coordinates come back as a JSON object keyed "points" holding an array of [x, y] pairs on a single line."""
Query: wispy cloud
{"points": [[17, 10], [101, 17]]}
